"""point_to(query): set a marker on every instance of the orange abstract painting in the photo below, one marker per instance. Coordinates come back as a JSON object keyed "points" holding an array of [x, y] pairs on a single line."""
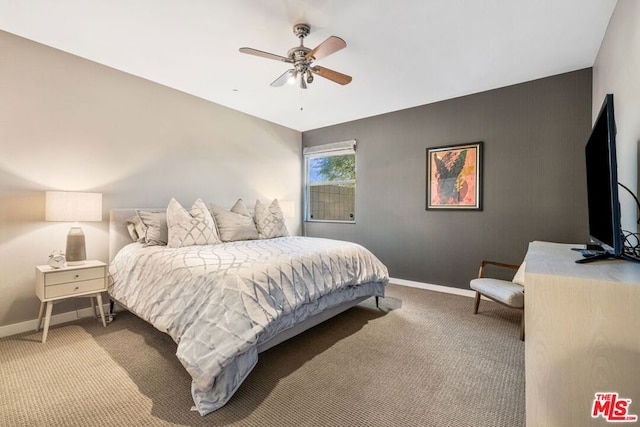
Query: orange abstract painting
{"points": [[453, 177]]}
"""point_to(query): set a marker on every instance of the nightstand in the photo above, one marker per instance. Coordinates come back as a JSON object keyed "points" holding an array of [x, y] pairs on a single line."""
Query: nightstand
{"points": [[54, 284]]}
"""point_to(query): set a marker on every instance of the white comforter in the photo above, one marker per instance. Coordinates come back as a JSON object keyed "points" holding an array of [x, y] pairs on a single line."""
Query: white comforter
{"points": [[220, 302]]}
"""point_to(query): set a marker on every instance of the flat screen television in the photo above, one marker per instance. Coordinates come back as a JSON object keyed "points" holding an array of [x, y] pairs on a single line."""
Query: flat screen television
{"points": [[602, 185]]}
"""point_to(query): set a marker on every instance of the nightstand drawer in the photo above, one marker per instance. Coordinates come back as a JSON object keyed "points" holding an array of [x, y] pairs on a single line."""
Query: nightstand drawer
{"points": [[73, 275], [70, 289]]}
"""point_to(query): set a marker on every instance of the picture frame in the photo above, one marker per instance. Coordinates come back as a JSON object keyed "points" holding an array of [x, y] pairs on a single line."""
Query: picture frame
{"points": [[454, 177]]}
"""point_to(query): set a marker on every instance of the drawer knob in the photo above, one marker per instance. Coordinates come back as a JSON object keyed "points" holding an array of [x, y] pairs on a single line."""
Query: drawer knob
{"points": [[77, 287], [77, 275]]}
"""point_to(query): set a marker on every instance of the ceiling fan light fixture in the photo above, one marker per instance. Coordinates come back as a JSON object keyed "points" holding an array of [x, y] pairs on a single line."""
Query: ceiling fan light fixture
{"points": [[293, 77], [309, 77]]}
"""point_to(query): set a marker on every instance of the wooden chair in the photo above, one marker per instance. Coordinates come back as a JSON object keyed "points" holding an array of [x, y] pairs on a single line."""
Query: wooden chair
{"points": [[505, 292]]}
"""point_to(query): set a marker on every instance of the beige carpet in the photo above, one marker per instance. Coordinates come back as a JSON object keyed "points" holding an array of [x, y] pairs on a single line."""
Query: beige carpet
{"points": [[424, 360]]}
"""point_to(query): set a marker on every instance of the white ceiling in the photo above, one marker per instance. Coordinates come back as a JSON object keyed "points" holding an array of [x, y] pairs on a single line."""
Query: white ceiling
{"points": [[401, 53]]}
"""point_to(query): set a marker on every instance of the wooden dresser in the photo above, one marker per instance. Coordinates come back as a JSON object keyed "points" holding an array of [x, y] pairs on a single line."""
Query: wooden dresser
{"points": [[582, 335]]}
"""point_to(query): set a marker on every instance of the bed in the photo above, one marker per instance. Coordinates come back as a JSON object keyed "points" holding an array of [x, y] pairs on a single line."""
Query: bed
{"points": [[223, 304]]}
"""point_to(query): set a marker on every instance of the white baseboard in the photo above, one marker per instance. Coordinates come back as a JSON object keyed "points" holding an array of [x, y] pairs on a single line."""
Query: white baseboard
{"points": [[30, 325], [430, 287]]}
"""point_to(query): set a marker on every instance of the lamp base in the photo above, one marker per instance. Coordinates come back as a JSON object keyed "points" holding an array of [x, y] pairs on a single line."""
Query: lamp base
{"points": [[76, 251]]}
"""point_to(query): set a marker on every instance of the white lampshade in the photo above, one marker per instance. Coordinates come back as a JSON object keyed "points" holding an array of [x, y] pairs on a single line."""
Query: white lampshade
{"points": [[73, 207]]}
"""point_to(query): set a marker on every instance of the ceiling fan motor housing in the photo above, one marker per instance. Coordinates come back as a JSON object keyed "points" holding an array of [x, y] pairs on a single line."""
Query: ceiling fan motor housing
{"points": [[297, 55]]}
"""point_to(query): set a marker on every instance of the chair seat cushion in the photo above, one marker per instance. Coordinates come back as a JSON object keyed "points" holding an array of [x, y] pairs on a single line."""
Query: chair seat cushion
{"points": [[506, 292]]}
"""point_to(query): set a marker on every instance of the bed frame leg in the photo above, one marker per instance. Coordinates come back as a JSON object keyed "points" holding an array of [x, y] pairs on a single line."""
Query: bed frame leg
{"points": [[111, 306], [377, 302]]}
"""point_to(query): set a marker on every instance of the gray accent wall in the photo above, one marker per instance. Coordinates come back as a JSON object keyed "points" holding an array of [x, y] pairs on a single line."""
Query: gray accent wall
{"points": [[533, 179]]}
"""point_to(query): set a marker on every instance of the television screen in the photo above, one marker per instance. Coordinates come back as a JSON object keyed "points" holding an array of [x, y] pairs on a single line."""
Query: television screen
{"points": [[602, 182]]}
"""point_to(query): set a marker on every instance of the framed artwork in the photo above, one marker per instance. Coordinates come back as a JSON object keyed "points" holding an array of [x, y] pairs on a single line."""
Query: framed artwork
{"points": [[454, 177]]}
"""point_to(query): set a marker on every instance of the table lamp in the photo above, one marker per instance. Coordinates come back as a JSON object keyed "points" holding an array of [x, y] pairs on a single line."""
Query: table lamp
{"points": [[73, 206]]}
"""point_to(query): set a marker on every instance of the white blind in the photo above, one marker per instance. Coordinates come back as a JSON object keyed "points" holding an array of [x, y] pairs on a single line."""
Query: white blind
{"points": [[328, 149]]}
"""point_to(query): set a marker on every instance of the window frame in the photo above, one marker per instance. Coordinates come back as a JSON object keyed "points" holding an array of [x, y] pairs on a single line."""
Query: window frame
{"points": [[328, 150]]}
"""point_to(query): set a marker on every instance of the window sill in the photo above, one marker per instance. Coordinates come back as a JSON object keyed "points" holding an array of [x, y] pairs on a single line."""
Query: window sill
{"points": [[330, 221]]}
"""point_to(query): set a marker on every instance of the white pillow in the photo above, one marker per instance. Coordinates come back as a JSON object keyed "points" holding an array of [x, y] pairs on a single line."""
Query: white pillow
{"points": [[190, 228], [519, 277], [270, 221], [235, 224]]}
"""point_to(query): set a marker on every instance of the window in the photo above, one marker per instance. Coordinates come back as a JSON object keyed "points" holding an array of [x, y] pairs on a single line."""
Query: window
{"points": [[330, 182]]}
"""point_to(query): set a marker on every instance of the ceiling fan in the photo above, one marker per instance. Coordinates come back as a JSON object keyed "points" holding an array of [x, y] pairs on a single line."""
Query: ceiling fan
{"points": [[302, 59]]}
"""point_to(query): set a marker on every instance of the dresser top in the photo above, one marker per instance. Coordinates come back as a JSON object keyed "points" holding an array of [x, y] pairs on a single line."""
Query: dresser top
{"points": [[558, 259]]}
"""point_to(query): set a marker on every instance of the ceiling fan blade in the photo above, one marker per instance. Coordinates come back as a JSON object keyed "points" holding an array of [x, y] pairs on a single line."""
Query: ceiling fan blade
{"points": [[334, 76], [326, 48], [284, 78], [267, 55]]}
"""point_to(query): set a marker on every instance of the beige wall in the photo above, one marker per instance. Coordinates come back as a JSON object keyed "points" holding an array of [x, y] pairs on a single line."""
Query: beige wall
{"points": [[71, 124], [617, 70]]}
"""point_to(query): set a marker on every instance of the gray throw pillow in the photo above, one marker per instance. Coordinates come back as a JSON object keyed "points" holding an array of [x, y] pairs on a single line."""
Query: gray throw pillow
{"points": [[234, 224], [156, 233], [136, 228]]}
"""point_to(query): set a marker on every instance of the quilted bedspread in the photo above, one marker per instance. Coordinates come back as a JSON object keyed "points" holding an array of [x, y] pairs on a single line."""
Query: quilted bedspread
{"points": [[219, 302]]}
